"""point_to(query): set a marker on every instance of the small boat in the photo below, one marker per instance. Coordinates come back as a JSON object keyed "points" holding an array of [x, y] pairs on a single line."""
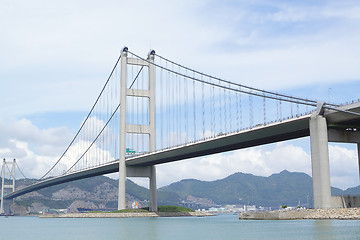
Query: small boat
{"points": [[6, 214]]}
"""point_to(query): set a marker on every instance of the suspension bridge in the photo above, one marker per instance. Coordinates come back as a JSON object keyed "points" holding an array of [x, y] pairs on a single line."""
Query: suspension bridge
{"points": [[153, 110]]}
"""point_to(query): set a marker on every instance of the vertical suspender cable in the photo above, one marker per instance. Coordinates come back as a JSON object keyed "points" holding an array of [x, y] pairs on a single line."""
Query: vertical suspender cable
{"points": [[143, 106], [186, 107], [241, 125], [168, 120], [297, 110], [251, 111], [161, 108], [177, 102], [172, 108], [212, 110], [138, 117], [264, 108], [203, 109], [237, 111], [194, 109], [220, 110], [225, 117], [230, 110]]}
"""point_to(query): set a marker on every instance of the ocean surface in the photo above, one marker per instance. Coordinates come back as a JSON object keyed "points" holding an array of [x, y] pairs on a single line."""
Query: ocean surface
{"points": [[225, 226]]}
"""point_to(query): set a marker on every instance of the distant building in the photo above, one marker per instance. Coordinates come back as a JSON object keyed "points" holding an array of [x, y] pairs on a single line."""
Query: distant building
{"points": [[249, 208], [214, 209]]}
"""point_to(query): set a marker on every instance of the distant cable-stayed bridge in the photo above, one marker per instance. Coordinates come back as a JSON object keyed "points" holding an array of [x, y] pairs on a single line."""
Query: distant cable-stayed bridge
{"points": [[153, 110]]}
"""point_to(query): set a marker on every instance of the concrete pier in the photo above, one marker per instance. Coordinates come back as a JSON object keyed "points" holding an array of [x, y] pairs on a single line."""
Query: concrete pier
{"points": [[127, 215], [320, 161], [318, 214]]}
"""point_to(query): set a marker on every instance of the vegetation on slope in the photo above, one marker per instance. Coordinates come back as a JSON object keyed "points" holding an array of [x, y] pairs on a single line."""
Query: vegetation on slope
{"points": [[239, 188], [146, 209]]}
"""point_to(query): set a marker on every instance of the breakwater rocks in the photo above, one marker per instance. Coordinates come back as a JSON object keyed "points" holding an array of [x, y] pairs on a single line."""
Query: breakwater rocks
{"points": [[333, 213], [127, 215]]}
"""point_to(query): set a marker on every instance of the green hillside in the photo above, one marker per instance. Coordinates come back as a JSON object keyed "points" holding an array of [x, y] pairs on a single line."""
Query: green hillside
{"points": [[239, 188], [282, 188]]}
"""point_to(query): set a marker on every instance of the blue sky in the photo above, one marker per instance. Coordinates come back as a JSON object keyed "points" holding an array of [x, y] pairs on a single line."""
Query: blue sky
{"points": [[55, 57]]}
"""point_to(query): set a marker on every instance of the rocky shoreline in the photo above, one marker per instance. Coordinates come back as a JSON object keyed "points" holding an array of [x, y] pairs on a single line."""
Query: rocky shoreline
{"points": [[127, 215], [317, 214]]}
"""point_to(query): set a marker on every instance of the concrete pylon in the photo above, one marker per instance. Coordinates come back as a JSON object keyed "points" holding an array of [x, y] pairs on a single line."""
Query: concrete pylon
{"points": [[149, 129], [320, 161], [10, 175], [122, 147], [152, 132]]}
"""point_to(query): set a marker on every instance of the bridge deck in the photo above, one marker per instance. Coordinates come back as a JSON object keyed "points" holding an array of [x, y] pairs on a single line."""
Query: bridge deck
{"points": [[260, 135], [275, 132]]}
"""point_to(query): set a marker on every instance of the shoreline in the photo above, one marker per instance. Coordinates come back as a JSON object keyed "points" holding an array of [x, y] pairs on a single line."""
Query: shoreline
{"points": [[315, 214], [127, 215]]}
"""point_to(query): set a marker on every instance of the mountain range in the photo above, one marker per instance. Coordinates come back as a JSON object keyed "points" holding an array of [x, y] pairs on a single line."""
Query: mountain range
{"points": [[290, 188]]}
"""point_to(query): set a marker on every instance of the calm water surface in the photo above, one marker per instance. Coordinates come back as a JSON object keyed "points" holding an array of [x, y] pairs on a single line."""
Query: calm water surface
{"points": [[219, 227]]}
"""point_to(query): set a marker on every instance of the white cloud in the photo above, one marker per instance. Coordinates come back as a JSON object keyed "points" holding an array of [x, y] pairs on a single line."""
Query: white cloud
{"points": [[31, 164], [57, 55], [257, 161], [49, 142], [35, 149], [344, 168]]}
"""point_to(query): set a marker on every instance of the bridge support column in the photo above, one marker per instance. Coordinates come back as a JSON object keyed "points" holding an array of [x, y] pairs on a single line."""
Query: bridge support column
{"points": [[153, 195], [10, 175], [320, 161], [149, 172], [122, 147], [152, 135]]}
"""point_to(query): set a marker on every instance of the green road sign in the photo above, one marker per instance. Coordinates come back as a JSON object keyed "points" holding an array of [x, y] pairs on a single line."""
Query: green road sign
{"points": [[129, 150]]}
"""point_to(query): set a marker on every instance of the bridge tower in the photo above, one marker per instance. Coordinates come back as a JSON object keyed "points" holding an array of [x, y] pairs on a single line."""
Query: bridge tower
{"points": [[11, 175], [142, 171]]}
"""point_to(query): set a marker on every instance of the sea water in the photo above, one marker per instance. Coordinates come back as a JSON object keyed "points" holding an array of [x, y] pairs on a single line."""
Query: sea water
{"points": [[224, 226]]}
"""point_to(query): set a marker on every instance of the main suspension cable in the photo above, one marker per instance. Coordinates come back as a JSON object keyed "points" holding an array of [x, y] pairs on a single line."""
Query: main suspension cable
{"points": [[104, 127], [20, 170], [244, 86], [83, 124], [275, 97]]}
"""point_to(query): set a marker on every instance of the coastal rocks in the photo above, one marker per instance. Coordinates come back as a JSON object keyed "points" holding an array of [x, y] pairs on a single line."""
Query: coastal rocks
{"points": [[334, 213], [127, 215]]}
